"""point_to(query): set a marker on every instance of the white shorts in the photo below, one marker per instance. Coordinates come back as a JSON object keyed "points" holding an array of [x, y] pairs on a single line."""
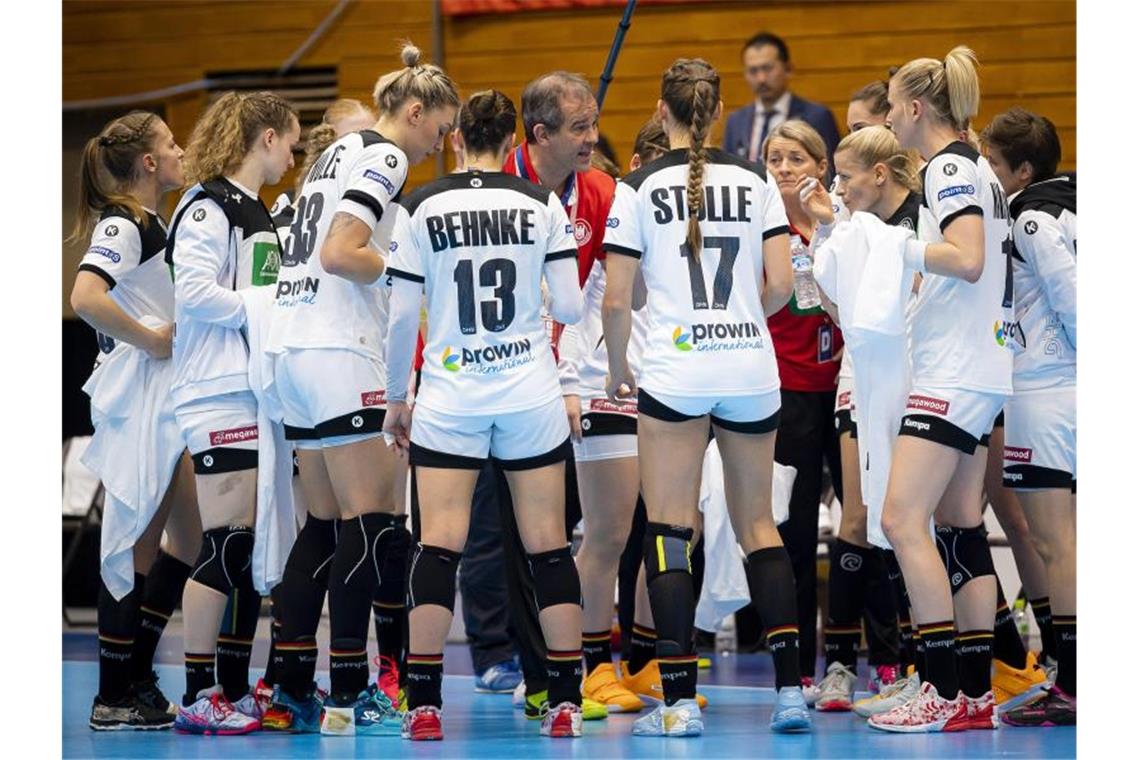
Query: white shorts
{"points": [[956, 418], [609, 430], [845, 406], [330, 396], [1041, 439], [220, 432], [523, 440], [755, 414]]}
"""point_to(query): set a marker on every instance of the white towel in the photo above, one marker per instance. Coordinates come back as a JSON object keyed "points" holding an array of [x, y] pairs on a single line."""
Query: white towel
{"points": [[134, 451], [275, 526]]}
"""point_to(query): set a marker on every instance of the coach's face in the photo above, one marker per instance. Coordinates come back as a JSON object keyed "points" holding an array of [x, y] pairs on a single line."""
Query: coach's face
{"points": [[571, 145]]}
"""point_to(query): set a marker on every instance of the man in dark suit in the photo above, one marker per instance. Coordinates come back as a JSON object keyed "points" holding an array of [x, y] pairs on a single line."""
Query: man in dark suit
{"points": [[767, 67]]}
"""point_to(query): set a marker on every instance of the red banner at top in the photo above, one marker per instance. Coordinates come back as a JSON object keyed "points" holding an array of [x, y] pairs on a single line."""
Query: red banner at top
{"points": [[475, 7]]}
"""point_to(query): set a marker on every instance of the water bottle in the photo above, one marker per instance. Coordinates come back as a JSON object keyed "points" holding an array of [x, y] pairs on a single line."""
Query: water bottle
{"points": [[726, 636], [1021, 620], [807, 293]]}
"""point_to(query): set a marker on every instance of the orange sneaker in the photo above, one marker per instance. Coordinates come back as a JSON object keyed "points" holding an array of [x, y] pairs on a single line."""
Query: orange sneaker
{"points": [[602, 686], [1014, 688], [646, 684]]}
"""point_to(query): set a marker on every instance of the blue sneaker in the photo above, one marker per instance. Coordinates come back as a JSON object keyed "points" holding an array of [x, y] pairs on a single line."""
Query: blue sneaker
{"points": [[295, 716], [501, 678], [791, 711], [372, 714]]}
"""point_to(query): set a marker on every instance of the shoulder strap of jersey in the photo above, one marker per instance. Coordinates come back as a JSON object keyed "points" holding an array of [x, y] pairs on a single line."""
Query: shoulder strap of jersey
{"points": [[169, 256]]}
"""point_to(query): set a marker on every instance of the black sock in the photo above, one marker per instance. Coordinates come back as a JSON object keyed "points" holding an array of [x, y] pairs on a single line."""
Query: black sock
{"points": [[1043, 613], [642, 647], [118, 623], [565, 671], [425, 679], [273, 661], [199, 675], [388, 610], [348, 669], [941, 666], [235, 641], [298, 665], [678, 671], [596, 650], [306, 579], [847, 582], [1065, 629], [975, 657], [919, 653], [772, 585], [161, 594], [1008, 646], [354, 575], [906, 643]]}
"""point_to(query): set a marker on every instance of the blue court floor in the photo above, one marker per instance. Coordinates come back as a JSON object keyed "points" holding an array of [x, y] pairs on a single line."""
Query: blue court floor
{"points": [[736, 725]]}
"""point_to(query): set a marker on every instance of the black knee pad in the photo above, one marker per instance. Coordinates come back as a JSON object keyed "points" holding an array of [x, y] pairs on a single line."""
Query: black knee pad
{"points": [[667, 549], [432, 577], [965, 552], [224, 561], [312, 552], [555, 578]]}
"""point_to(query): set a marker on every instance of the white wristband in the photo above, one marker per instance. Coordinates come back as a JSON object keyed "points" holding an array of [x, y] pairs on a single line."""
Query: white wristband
{"points": [[915, 255]]}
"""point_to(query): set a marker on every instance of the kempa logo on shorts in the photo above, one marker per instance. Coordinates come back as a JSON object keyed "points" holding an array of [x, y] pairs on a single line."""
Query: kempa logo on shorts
{"points": [[233, 435], [357, 421], [372, 398], [1030, 227], [718, 336], [487, 359], [1018, 454], [207, 461], [851, 562], [476, 182], [920, 426], [928, 404], [582, 231]]}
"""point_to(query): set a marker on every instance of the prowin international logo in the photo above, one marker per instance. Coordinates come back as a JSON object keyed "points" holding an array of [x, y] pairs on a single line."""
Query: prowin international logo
{"points": [[450, 360], [718, 336], [999, 332], [681, 340], [486, 360]]}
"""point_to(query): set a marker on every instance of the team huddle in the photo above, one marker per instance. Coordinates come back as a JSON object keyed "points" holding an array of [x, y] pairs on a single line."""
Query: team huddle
{"points": [[299, 366]]}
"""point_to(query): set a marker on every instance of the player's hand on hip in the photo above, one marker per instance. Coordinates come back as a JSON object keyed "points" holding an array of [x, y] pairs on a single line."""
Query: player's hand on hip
{"points": [[574, 415]]}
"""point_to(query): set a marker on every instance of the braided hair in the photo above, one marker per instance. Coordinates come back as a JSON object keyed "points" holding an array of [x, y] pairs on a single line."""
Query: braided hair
{"points": [[691, 90]]}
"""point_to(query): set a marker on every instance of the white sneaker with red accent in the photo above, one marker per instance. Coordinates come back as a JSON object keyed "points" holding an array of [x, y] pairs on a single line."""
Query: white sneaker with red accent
{"points": [[926, 713], [810, 689], [981, 712]]}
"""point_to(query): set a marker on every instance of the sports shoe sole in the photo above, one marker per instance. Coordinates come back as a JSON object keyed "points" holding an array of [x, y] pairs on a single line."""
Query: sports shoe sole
{"points": [[929, 728], [791, 724], [691, 728], [1024, 698], [485, 690], [129, 727], [200, 731], [833, 705]]}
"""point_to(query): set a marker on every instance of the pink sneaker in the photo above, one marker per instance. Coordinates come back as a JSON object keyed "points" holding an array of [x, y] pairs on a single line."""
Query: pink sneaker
{"points": [[883, 675], [926, 713]]}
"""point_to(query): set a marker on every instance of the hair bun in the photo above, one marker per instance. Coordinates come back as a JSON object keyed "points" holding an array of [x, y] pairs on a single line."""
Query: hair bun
{"points": [[410, 55]]}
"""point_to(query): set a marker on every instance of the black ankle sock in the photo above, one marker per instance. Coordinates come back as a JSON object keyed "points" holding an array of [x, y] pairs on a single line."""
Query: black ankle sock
{"points": [[235, 641], [906, 643], [425, 678], [348, 669], [642, 647], [975, 657], [564, 669], [388, 610], [1043, 613], [273, 661], [678, 671], [298, 665], [1008, 646], [161, 594], [1065, 629], [941, 665], [847, 582], [596, 649], [199, 675], [772, 585], [118, 624]]}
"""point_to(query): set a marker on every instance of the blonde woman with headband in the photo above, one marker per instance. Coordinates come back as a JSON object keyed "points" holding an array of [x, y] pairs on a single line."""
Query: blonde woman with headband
{"points": [[960, 346], [328, 343], [223, 240]]}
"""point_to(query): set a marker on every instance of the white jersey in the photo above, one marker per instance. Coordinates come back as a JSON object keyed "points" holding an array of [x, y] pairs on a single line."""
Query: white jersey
{"points": [[582, 359], [129, 258], [481, 243], [960, 331], [707, 335], [359, 174], [1045, 282], [222, 241]]}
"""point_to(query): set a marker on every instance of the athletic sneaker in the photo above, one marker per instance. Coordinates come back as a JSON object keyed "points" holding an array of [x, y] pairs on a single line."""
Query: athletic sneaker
{"points": [[981, 712], [682, 718], [148, 693], [249, 705], [1054, 708], [602, 686], [263, 693], [883, 676], [646, 684], [518, 697], [128, 714], [564, 721], [1013, 687], [500, 678], [790, 712], [422, 724], [213, 714], [298, 716], [810, 689], [926, 713], [371, 714], [836, 690], [537, 706], [388, 677], [891, 696], [1049, 665]]}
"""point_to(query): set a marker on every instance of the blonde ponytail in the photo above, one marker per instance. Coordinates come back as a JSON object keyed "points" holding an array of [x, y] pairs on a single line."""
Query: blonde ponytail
{"points": [[878, 145], [949, 87]]}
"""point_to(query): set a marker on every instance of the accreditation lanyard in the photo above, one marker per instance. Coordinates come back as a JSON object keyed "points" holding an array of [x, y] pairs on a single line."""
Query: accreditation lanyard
{"points": [[569, 197]]}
